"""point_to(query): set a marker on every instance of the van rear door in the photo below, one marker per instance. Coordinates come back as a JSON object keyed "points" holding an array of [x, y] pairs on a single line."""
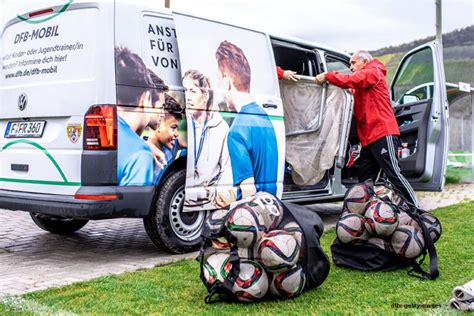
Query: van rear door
{"points": [[418, 91], [236, 136], [57, 61]]}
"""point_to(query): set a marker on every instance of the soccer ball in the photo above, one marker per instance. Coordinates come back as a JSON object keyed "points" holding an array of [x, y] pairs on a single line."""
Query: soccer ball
{"points": [[407, 241], [278, 251], [216, 220], [246, 225], [356, 198], [289, 283], [220, 243], [295, 230], [351, 227], [432, 224], [251, 283], [400, 202], [405, 219], [384, 193], [247, 253], [381, 243], [216, 268], [381, 219], [269, 207]]}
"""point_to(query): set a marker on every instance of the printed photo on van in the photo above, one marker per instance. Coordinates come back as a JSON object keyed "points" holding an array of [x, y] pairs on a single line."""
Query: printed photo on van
{"points": [[233, 150], [148, 121]]}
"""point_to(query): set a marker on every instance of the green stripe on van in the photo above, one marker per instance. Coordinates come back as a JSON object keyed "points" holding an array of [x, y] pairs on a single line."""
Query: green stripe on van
{"points": [[232, 115], [64, 8], [48, 155], [70, 184]]}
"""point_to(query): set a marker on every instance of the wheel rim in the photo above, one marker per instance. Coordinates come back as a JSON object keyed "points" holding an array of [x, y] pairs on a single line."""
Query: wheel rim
{"points": [[186, 226]]}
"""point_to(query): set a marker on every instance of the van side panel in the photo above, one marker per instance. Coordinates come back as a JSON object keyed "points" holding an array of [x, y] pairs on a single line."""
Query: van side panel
{"points": [[57, 60]]}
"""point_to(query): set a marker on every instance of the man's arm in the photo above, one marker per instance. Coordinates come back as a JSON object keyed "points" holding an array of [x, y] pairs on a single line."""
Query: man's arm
{"points": [[364, 78], [287, 75]]}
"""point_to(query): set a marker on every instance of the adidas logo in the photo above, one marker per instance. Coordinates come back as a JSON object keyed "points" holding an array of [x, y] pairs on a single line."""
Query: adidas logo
{"points": [[383, 151]]}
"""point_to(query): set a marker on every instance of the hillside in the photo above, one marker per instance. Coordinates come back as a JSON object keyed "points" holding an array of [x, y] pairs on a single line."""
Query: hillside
{"points": [[461, 37]]}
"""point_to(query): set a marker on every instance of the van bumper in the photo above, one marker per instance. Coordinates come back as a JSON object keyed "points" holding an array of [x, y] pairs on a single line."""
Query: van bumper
{"points": [[132, 202]]}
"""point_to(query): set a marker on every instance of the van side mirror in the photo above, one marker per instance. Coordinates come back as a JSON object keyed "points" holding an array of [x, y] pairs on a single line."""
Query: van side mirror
{"points": [[409, 98]]}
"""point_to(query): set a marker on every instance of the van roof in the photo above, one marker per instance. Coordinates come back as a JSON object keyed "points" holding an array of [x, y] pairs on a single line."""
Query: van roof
{"points": [[277, 36]]}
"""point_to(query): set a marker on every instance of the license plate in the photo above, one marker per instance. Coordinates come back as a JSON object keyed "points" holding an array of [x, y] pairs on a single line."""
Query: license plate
{"points": [[25, 129]]}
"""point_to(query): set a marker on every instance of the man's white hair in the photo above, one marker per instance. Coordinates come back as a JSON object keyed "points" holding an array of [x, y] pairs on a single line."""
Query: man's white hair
{"points": [[364, 55]]}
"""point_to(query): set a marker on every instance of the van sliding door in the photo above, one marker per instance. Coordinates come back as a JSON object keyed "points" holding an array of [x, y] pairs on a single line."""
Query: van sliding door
{"points": [[236, 135]]}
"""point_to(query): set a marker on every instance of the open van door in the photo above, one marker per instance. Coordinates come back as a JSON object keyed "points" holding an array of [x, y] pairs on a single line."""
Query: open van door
{"points": [[418, 92], [236, 135]]}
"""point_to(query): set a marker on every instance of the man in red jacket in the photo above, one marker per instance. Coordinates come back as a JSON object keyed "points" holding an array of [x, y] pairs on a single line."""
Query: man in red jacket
{"points": [[377, 127]]}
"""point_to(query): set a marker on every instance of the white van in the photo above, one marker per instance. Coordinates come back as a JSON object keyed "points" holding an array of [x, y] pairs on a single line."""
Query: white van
{"points": [[92, 127]]}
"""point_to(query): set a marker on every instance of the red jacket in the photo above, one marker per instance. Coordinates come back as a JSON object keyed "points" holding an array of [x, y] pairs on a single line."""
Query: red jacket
{"points": [[372, 107], [280, 73]]}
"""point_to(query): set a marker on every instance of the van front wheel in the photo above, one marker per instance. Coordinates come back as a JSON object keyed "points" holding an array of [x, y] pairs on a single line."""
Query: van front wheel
{"points": [[167, 226], [58, 225]]}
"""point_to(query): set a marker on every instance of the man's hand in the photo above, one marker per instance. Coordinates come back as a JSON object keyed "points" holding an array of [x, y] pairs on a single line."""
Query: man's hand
{"points": [[224, 198], [290, 76], [320, 79], [158, 155]]}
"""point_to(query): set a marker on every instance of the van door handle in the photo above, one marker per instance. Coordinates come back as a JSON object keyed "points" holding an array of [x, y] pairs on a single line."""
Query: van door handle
{"points": [[270, 105]]}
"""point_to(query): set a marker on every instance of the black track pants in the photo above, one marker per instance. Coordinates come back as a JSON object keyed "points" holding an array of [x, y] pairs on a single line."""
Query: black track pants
{"points": [[381, 154]]}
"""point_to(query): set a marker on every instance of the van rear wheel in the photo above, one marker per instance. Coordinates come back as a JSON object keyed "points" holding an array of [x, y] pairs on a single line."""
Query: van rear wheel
{"points": [[58, 225], [167, 226]]}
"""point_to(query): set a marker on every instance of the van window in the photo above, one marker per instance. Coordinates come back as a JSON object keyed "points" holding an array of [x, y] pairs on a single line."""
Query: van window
{"points": [[336, 64], [299, 59]]}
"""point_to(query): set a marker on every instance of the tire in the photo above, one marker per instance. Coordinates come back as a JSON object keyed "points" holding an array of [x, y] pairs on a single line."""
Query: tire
{"points": [[58, 225], [166, 225]]}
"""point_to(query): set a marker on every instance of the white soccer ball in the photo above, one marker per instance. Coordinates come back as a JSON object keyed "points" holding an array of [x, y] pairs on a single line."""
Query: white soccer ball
{"points": [[381, 219], [296, 231], [383, 192], [405, 219], [407, 241], [216, 268], [356, 199], [252, 282], [288, 284], [216, 220], [278, 251], [380, 243], [432, 224], [247, 253], [351, 227], [269, 207], [246, 225]]}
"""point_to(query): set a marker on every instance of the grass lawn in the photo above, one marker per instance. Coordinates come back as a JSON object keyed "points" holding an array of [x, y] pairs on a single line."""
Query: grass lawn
{"points": [[177, 289], [459, 175]]}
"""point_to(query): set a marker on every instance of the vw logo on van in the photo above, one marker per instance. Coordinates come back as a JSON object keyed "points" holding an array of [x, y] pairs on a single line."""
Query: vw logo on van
{"points": [[22, 101]]}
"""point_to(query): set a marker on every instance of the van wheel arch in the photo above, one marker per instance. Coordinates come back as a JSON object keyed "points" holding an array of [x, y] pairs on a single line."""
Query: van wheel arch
{"points": [[166, 225]]}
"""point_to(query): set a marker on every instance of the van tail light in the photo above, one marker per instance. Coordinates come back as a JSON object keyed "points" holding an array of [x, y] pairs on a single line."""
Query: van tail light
{"points": [[100, 128], [96, 197]]}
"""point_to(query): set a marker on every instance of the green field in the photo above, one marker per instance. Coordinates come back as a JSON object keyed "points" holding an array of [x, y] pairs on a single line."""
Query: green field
{"points": [[176, 288]]}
